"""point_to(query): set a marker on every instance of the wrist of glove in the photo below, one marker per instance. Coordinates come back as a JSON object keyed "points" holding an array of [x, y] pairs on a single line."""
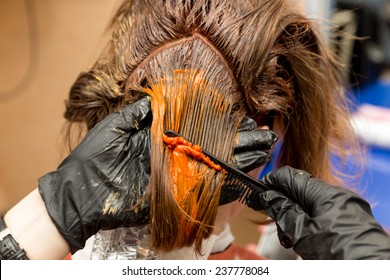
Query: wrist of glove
{"points": [[101, 184], [321, 221]]}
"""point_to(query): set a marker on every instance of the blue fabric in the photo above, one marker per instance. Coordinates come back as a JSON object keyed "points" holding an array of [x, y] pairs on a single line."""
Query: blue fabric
{"points": [[375, 182]]}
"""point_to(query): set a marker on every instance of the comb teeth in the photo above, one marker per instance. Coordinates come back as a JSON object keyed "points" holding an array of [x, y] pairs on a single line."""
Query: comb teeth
{"points": [[237, 185], [236, 188], [241, 186]]}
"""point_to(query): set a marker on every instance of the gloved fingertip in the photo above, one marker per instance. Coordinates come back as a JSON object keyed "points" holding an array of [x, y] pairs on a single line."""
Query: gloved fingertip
{"points": [[285, 240], [248, 161], [144, 102], [287, 180], [137, 115], [265, 198], [273, 138], [247, 124]]}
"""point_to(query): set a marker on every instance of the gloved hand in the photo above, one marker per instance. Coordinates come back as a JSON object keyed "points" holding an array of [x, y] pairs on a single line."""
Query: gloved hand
{"points": [[251, 146], [321, 221], [100, 185]]}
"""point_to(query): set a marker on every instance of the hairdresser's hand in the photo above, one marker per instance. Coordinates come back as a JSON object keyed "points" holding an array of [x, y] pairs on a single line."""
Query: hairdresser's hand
{"points": [[251, 146], [101, 183], [321, 221]]}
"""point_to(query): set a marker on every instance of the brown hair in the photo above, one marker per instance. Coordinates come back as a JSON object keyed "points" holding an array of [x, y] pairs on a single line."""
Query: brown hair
{"points": [[262, 57]]}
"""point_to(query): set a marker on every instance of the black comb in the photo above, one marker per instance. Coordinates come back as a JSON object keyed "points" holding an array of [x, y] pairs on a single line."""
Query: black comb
{"points": [[237, 185]]}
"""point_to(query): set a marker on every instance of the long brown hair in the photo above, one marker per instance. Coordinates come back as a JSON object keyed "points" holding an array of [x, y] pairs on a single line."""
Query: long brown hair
{"points": [[261, 56]]}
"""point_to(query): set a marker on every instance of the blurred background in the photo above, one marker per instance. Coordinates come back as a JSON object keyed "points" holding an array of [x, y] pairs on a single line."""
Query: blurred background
{"points": [[45, 44]]}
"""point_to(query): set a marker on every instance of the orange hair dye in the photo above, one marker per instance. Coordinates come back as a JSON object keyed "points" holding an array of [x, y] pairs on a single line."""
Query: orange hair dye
{"points": [[185, 184]]}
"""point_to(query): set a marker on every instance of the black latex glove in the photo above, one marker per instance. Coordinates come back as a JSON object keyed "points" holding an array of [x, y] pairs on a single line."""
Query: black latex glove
{"points": [[100, 185], [251, 146], [321, 221]]}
